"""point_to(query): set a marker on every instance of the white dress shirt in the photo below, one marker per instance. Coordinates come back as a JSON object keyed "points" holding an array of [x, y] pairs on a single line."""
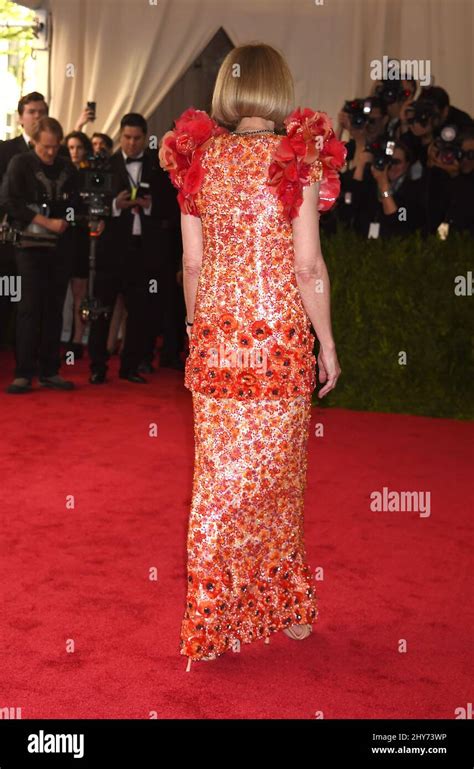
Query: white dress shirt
{"points": [[135, 171]]}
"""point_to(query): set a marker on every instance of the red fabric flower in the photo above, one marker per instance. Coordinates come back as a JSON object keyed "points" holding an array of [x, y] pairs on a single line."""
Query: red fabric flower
{"points": [[309, 139], [181, 150]]}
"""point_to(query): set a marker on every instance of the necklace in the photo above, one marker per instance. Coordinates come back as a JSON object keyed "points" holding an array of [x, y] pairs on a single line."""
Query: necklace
{"points": [[258, 131]]}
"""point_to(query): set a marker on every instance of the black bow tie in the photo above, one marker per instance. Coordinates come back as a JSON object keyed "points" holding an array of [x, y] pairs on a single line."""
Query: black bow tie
{"points": [[134, 160]]}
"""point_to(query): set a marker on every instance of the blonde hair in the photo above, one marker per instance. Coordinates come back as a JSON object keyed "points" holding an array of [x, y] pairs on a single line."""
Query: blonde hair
{"points": [[254, 80], [49, 124]]}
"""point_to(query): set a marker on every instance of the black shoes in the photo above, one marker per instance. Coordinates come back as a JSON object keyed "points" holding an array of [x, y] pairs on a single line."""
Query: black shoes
{"points": [[19, 385], [97, 378], [23, 385], [56, 382], [146, 368], [134, 376]]}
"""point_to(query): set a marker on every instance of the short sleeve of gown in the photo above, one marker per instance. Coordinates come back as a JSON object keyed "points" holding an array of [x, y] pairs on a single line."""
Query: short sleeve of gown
{"points": [[308, 153], [180, 154]]}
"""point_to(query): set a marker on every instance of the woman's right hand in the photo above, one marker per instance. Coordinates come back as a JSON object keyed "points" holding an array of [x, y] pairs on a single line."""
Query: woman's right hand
{"points": [[329, 370]]}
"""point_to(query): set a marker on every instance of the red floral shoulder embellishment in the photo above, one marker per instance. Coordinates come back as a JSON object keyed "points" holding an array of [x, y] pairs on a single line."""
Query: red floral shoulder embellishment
{"points": [[180, 154], [309, 145]]}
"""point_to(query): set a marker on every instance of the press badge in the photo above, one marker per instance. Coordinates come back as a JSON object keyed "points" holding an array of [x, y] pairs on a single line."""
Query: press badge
{"points": [[133, 192], [374, 230]]}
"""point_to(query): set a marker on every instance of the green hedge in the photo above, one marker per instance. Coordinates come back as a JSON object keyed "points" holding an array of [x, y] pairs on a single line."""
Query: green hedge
{"points": [[398, 295]]}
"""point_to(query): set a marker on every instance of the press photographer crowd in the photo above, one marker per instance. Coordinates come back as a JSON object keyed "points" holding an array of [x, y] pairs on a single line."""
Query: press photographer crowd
{"points": [[108, 223]]}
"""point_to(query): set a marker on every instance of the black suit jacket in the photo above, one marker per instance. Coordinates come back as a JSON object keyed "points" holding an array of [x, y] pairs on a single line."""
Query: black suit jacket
{"points": [[118, 233], [10, 148]]}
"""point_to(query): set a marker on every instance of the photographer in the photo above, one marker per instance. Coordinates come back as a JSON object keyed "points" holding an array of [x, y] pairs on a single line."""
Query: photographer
{"points": [[379, 198], [420, 121], [37, 190], [423, 120], [366, 121], [450, 115], [396, 95], [460, 209], [442, 167]]}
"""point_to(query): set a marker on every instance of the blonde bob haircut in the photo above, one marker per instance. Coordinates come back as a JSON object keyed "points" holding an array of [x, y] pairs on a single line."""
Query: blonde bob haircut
{"points": [[254, 80]]}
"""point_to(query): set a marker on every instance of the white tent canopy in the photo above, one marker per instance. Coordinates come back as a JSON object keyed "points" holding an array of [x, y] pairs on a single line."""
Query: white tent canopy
{"points": [[128, 54]]}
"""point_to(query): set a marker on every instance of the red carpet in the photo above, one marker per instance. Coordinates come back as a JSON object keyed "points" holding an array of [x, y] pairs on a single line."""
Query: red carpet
{"points": [[81, 575]]}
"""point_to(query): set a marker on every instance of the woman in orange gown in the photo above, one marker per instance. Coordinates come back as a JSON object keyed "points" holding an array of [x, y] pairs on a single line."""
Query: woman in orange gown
{"points": [[254, 282]]}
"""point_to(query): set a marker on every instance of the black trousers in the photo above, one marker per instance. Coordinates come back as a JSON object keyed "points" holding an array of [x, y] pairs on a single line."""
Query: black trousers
{"points": [[45, 274], [128, 277], [166, 308]]}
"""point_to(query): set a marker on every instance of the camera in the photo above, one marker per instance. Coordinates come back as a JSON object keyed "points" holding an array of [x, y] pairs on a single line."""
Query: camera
{"points": [[96, 191], [392, 91], [422, 111], [358, 111], [382, 152], [448, 145], [97, 186]]}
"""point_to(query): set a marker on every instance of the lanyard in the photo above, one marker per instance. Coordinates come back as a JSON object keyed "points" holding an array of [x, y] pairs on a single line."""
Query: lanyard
{"points": [[134, 185]]}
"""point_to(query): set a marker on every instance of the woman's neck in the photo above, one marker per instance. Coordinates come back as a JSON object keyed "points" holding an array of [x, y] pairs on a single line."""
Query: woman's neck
{"points": [[255, 124]]}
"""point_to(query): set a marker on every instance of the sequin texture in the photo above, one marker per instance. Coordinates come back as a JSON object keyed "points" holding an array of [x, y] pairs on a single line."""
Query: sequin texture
{"points": [[247, 570], [251, 336]]}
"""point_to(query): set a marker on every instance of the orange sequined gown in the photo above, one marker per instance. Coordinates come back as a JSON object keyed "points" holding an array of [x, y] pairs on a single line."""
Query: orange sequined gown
{"points": [[251, 371]]}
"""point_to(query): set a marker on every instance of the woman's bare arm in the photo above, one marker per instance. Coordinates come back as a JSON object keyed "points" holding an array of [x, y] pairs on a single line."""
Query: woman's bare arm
{"points": [[310, 268], [191, 232], [313, 282]]}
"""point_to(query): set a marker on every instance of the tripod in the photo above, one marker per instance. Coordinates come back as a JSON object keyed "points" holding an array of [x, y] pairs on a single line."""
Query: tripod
{"points": [[90, 308]]}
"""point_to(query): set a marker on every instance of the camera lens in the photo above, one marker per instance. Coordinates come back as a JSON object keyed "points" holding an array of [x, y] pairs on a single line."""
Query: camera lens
{"points": [[98, 180]]}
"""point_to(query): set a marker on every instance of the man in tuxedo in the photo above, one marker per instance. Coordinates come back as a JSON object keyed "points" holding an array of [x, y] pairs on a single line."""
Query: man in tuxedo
{"points": [[127, 255], [167, 308], [31, 108]]}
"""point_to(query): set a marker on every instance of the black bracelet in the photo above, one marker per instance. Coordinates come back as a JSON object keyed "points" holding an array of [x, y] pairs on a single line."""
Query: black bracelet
{"points": [[187, 322]]}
